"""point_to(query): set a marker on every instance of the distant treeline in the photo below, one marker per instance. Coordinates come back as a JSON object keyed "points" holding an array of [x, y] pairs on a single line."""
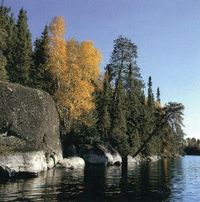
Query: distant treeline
{"points": [[192, 146], [109, 108]]}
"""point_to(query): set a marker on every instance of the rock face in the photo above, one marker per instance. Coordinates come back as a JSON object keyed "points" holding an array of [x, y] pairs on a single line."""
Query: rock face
{"points": [[72, 163], [28, 122], [29, 162], [100, 154]]}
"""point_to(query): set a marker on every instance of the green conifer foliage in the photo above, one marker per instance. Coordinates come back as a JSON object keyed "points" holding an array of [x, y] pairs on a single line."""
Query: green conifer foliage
{"points": [[104, 118], [6, 32], [123, 116], [150, 120], [158, 95], [123, 57], [126, 72], [119, 138], [23, 51], [40, 77], [150, 98], [134, 107], [3, 72], [124, 53]]}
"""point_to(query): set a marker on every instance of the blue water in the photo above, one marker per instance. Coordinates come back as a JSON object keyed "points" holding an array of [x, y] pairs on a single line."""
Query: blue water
{"points": [[164, 180]]}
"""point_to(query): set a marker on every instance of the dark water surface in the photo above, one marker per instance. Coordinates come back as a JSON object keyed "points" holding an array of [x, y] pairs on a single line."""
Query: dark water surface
{"points": [[164, 180]]}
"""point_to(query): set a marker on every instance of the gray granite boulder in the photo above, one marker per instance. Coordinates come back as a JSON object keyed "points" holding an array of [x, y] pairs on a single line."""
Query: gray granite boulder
{"points": [[27, 163], [72, 163], [29, 123], [101, 154]]}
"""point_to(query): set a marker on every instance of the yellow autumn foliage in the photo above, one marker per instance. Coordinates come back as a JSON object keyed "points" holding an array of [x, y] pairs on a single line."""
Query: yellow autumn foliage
{"points": [[75, 67], [57, 48], [83, 61]]}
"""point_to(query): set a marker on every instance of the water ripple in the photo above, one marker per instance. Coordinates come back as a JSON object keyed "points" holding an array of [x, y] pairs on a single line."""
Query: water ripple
{"points": [[164, 180]]}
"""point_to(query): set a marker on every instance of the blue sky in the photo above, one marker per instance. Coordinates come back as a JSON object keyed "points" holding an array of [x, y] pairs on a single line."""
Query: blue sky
{"points": [[167, 33]]}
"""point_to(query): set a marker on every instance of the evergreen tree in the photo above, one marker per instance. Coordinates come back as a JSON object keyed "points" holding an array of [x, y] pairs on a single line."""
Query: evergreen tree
{"points": [[126, 72], [169, 121], [150, 121], [7, 41], [150, 98], [40, 76], [104, 106], [124, 54], [4, 24], [142, 97], [3, 72], [23, 51], [119, 138], [134, 86], [158, 95], [10, 51], [172, 133]]}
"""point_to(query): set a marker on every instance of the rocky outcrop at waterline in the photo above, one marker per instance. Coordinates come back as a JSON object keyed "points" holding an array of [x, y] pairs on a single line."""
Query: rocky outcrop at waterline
{"points": [[71, 163], [29, 130], [30, 136], [101, 154], [28, 163]]}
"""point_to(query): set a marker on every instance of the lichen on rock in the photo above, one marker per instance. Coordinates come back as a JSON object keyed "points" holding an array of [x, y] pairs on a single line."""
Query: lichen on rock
{"points": [[29, 121]]}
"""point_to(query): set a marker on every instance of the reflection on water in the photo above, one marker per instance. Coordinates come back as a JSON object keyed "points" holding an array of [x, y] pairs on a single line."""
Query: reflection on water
{"points": [[164, 180]]}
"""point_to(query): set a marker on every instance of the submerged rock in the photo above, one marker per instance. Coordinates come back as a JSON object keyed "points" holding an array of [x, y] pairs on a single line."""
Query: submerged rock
{"points": [[72, 163], [101, 154], [29, 129]]}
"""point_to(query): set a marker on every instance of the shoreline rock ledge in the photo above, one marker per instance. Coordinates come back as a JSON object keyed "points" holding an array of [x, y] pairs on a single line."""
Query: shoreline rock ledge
{"points": [[27, 164], [29, 131], [71, 163], [101, 154]]}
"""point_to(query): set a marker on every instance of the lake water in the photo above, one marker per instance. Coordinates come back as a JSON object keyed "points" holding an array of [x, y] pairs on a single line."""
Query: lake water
{"points": [[164, 180]]}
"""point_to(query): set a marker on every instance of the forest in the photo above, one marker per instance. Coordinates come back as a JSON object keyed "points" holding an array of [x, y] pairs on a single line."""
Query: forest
{"points": [[192, 146], [112, 106]]}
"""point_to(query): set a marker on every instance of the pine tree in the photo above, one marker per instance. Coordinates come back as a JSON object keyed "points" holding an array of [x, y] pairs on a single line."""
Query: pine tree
{"points": [[3, 72], [104, 106], [150, 121], [150, 98], [133, 105], [23, 51], [124, 54], [40, 75], [126, 71], [7, 33], [168, 125], [119, 138], [4, 24], [158, 95], [10, 52]]}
